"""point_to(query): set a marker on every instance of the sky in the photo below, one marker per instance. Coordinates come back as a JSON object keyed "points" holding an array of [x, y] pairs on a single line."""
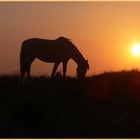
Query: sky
{"points": [[104, 32]]}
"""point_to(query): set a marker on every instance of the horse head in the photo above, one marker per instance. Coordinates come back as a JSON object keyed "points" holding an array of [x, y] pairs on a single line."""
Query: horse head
{"points": [[82, 69], [83, 65]]}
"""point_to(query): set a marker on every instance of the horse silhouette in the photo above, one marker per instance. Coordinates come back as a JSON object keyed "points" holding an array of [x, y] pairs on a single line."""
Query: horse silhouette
{"points": [[51, 51]]}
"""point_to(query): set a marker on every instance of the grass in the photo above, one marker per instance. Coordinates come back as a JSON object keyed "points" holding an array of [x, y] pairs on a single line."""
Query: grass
{"points": [[100, 106]]}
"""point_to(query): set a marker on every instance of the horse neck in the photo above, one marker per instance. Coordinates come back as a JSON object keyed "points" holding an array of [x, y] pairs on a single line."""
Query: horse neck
{"points": [[78, 58]]}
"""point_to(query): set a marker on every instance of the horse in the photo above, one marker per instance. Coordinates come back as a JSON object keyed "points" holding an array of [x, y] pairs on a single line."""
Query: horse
{"points": [[51, 51]]}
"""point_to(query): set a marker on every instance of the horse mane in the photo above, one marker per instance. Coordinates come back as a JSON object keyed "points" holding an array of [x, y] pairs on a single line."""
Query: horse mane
{"points": [[64, 39]]}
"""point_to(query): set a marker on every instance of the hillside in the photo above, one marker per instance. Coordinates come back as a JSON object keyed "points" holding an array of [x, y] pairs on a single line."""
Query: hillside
{"points": [[101, 106]]}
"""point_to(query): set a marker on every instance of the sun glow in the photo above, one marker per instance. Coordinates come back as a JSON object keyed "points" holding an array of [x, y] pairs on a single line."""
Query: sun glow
{"points": [[136, 50]]}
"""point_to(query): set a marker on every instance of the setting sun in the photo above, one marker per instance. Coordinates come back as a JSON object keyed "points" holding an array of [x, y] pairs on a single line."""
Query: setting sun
{"points": [[136, 50]]}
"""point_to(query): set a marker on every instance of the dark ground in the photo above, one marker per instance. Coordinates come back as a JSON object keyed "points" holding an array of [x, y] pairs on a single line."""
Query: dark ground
{"points": [[102, 106]]}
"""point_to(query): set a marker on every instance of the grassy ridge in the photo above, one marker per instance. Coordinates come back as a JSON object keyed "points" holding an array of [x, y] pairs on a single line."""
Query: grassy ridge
{"points": [[102, 106]]}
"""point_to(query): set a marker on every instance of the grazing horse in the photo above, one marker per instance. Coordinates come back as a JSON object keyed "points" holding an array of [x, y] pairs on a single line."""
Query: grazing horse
{"points": [[51, 51]]}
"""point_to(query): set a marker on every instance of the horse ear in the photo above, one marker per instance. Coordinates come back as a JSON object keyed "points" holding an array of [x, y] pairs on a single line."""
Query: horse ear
{"points": [[87, 63]]}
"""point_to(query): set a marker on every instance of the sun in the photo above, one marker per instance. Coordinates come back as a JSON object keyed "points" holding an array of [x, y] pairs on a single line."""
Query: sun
{"points": [[135, 49]]}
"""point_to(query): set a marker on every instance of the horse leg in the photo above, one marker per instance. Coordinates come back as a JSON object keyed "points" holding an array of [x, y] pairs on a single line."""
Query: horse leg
{"points": [[22, 76], [64, 68], [54, 69], [22, 72], [28, 70]]}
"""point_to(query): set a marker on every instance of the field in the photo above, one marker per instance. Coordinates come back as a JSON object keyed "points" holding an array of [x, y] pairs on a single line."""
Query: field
{"points": [[101, 106]]}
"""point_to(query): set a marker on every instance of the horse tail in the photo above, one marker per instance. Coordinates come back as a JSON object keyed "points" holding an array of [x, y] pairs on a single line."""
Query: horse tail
{"points": [[22, 60]]}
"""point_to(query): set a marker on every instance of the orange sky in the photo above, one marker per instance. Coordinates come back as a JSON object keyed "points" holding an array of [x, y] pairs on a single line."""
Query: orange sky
{"points": [[103, 31]]}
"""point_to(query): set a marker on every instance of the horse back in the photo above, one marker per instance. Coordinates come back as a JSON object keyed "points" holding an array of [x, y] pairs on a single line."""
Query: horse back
{"points": [[46, 50]]}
